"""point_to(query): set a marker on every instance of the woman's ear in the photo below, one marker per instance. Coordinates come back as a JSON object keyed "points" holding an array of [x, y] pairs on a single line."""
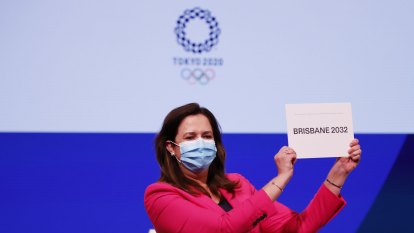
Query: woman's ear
{"points": [[170, 147]]}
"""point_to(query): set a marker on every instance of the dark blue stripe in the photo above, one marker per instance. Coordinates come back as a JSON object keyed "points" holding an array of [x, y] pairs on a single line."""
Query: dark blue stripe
{"points": [[393, 209], [91, 182]]}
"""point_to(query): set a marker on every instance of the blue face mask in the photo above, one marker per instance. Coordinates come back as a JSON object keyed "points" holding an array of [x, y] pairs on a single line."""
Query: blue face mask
{"points": [[197, 155]]}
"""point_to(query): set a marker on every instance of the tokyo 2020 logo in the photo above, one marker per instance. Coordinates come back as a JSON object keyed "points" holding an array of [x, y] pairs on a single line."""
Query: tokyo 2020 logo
{"points": [[197, 31], [195, 46]]}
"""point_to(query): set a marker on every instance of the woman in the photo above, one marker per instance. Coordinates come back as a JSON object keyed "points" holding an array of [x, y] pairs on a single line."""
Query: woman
{"points": [[194, 194]]}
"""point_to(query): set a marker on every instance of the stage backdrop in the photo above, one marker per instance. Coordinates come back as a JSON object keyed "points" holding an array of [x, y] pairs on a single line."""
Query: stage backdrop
{"points": [[85, 85]]}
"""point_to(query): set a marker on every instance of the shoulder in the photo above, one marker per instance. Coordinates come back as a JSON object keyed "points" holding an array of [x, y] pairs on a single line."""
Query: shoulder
{"points": [[244, 183], [163, 193], [237, 177], [161, 187], [165, 190]]}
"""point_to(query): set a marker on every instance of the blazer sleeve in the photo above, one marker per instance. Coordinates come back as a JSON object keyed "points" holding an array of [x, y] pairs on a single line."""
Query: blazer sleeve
{"points": [[173, 210], [323, 207]]}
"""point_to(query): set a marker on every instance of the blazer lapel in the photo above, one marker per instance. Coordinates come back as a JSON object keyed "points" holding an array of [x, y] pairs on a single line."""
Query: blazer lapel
{"points": [[229, 197]]}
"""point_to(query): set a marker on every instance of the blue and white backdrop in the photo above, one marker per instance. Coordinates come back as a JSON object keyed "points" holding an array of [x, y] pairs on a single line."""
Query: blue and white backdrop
{"points": [[85, 85]]}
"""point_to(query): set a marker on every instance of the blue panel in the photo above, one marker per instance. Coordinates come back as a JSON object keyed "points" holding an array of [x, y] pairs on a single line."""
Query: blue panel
{"points": [[252, 155], [393, 208], [75, 182], [95, 182]]}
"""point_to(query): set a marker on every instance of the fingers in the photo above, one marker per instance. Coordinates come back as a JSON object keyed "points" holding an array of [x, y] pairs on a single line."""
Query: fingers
{"points": [[291, 153], [355, 151], [354, 142], [286, 157], [356, 156]]}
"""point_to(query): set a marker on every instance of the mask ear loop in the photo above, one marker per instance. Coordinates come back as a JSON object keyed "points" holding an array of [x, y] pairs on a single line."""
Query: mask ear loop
{"points": [[172, 142], [173, 154]]}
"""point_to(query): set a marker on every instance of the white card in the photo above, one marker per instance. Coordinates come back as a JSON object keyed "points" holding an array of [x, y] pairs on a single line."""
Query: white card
{"points": [[319, 130]]}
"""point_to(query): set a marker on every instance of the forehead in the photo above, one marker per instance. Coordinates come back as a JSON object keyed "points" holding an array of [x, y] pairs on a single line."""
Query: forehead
{"points": [[194, 123]]}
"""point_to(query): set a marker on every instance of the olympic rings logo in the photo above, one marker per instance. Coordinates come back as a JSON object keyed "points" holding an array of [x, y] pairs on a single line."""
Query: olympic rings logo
{"points": [[189, 45], [198, 75]]}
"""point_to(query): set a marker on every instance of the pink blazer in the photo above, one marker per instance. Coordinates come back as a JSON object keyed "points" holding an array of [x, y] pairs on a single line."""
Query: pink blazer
{"points": [[174, 210]]}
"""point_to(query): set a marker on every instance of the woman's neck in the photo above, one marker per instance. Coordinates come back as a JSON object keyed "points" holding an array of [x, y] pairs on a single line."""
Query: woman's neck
{"points": [[200, 178]]}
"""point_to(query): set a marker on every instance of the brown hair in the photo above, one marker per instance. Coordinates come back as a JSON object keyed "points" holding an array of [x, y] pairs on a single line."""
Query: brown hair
{"points": [[170, 170]]}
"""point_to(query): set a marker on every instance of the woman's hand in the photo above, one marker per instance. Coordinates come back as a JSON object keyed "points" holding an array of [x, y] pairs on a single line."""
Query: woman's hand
{"points": [[343, 167], [347, 164], [285, 159]]}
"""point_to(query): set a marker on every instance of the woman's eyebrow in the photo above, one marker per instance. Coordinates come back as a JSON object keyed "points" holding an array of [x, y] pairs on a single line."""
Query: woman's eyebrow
{"points": [[189, 133]]}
